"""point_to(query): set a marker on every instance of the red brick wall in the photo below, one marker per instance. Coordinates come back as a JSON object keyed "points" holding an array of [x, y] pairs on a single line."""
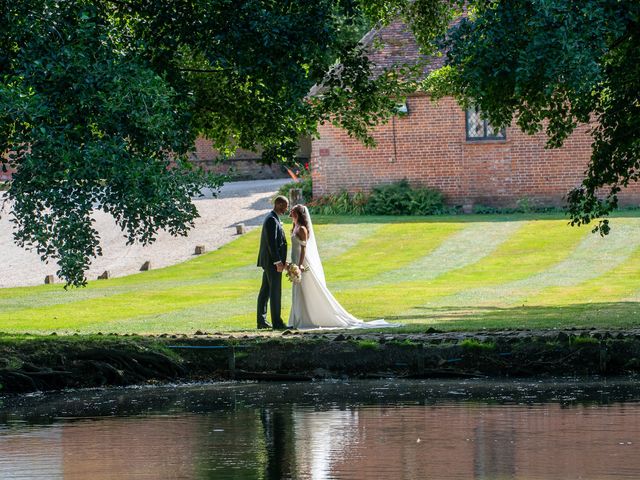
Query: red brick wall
{"points": [[431, 149], [243, 165]]}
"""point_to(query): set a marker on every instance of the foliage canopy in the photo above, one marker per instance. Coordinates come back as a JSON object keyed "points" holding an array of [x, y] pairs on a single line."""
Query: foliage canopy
{"points": [[552, 65], [101, 101]]}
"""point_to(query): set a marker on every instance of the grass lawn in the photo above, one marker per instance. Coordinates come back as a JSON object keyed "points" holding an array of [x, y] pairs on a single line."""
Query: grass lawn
{"points": [[459, 272]]}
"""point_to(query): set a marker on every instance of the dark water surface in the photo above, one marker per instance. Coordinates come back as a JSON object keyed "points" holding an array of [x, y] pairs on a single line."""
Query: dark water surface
{"points": [[350, 430]]}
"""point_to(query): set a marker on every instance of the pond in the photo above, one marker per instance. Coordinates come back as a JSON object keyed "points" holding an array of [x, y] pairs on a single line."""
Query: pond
{"points": [[382, 429]]}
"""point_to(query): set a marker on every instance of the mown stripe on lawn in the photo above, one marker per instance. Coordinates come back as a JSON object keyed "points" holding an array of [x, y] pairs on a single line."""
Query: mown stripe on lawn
{"points": [[222, 295], [235, 254], [621, 284], [393, 246], [227, 264], [591, 259], [532, 249], [44, 297], [230, 256], [336, 239], [211, 317], [463, 248], [235, 314], [232, 262], [120, 307]]}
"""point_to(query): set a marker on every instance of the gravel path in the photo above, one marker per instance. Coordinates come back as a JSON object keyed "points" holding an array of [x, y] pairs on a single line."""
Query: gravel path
{"points": [[239, 202]]}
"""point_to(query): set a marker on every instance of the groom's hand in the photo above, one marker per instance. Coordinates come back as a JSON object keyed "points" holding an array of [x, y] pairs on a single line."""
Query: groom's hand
{"points": [[279, 267]]}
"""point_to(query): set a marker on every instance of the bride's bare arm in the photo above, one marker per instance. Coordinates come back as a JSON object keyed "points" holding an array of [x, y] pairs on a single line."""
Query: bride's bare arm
{"points": [[302, 235]]}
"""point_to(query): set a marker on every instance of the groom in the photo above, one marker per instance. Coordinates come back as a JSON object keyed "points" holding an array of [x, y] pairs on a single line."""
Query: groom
{"points": [[273, 260]]}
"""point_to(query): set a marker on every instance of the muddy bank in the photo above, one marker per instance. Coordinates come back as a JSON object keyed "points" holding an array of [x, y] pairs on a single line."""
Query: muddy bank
{"points": [[56, 362]]}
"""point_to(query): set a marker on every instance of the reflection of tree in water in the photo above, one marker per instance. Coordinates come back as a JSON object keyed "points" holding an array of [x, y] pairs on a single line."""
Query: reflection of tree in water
{"points": [[247, 444], [232, 446]]}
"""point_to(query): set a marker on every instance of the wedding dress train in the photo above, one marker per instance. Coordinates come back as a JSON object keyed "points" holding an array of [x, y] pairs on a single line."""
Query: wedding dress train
{"points": [[313, 305]]}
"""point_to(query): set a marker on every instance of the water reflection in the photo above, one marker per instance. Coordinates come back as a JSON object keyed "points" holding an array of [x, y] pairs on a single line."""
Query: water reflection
{"points": [[249, 431], [323, 438], [494, 442], [278, 436]]}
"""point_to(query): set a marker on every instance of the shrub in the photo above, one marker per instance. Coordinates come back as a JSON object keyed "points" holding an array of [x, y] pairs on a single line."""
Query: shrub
{"points": [[342, 203], [304, 184], [284, 189], [394, 199], [400, 199], [359, 203], [427, 201]]}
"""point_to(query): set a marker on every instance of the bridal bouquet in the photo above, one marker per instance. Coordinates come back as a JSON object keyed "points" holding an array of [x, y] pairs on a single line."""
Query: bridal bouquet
{"points": [[294, 273]]}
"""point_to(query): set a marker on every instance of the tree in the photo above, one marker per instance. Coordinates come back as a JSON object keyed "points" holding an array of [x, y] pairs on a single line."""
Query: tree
{"points": [[101, 101], [550, 65]]}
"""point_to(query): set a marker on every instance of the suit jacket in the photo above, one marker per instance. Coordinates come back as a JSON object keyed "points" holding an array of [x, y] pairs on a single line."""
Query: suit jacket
{"points": [[273, 242]]}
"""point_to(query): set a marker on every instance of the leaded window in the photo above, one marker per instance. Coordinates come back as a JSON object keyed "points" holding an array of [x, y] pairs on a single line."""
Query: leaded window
{"points": [[480, 129]]}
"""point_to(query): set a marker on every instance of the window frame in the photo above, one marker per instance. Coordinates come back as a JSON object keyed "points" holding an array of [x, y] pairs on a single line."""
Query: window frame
{"points": [[485, 124]]}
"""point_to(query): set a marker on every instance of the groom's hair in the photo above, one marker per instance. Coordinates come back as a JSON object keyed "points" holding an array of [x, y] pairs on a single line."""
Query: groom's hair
{"points": [[281, 200]]}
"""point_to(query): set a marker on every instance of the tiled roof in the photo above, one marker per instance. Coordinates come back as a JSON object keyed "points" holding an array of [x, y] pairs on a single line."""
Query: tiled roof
{"points": [[389, 46], [395, 44]]}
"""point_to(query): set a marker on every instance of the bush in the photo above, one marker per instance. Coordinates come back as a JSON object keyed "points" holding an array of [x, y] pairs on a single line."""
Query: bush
{"points": [[395, 199], [304, 184], [342, 203], [400, 199], [427, 201]]}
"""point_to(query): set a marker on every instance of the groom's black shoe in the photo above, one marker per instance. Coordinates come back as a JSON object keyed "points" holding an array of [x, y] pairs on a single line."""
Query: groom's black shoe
{"points": [[263, 325], [279, 326]]}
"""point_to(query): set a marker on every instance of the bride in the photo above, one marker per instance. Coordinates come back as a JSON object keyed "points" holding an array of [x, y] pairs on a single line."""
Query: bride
{"points": [[313, 305]]}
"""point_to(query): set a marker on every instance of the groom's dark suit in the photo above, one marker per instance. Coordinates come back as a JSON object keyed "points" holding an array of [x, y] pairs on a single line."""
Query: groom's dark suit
{"points": [[273, 249]]}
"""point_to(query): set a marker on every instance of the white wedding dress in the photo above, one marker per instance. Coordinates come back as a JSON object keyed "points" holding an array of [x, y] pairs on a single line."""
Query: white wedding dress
{"points": [[312, 304]]}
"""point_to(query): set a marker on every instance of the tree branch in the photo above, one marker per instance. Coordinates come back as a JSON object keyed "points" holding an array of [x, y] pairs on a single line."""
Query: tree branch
{"points": [[203, 70]]}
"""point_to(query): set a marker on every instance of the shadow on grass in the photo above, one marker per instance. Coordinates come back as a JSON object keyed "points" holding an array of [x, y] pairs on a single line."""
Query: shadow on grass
{"points": [[583, 315]]}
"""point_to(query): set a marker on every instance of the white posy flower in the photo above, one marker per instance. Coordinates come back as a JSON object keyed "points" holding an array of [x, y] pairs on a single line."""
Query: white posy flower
{"points": [[294, 273]]}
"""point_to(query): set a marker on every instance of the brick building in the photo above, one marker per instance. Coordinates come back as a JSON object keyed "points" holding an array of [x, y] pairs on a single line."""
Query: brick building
{"points": [[439, 145], [244, 164]]}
